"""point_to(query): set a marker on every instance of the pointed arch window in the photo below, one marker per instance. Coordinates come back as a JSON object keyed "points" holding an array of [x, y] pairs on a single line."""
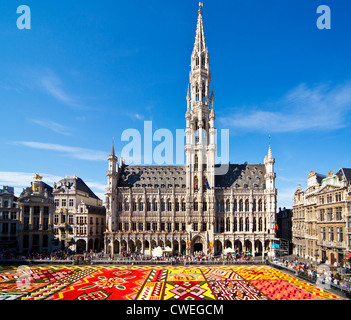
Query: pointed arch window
{"points": [[246, 205], [241, 224], [203, 60], [254, 224], [196, 164], [227, 205], [247, 224], [227, 225], [221, 206]]}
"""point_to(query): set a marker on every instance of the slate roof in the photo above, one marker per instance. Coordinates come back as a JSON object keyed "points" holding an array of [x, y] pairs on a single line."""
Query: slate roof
{"points": [[242, 175], [153, 176], [79, 184], [346, 172], [238, 175]]}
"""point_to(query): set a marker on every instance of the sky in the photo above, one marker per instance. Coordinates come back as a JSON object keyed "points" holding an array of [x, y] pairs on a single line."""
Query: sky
{"points": [[87, 71]]}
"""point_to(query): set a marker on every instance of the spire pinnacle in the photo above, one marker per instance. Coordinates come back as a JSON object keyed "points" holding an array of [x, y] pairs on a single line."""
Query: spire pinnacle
{"points": [[200, 7], [200, 43], [269, 148]]}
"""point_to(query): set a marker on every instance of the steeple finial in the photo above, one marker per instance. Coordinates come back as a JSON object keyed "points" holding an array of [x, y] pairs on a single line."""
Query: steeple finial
{"points": [[200, 7], [200, 43], [269, 148]]}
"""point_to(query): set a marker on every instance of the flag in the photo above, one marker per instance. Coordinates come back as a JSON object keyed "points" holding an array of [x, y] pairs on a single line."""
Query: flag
{"points": [[207, 185], [107, 226], [276, 226]]}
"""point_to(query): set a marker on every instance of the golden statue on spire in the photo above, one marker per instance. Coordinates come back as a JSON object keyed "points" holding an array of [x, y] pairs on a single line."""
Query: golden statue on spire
{"points": [[37, 177], [200, 6]]}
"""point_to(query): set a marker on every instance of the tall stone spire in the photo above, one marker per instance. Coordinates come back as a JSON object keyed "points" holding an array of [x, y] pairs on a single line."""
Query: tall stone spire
{"points": [[200, 147], [200, 43], [200, 76]]}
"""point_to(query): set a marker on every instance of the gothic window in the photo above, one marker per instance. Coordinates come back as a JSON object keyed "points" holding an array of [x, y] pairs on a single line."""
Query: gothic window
{"points": [[222, 225], [183, 205], [196, 165], [169, 205], [240, 205], [203, 60], [197, 61], [254, 224], [235, 226], [227, 225], [196, 206], [246, 205], [204, 206], [260, 224], [260, 205], [235, 205], [227, 206], [148, 206], [162, 205], [254, 205], [177, 205], [247, 224], [134, 206], [241, 224], [221, 206], [154, 204], [126, 205]]}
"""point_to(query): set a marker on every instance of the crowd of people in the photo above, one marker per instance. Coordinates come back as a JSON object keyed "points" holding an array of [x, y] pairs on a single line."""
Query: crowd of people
{"points": [[322, 276]]}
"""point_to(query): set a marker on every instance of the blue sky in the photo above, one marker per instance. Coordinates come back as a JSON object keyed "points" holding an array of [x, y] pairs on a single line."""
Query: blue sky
{"points": [[88, 70]]}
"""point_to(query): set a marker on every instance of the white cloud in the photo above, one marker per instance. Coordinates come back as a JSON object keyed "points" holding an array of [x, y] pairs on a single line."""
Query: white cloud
{"points": [[74, 152], [286, 196], [136, 116], [20, 180], [319, 108], [52, 84], [52, 125]]}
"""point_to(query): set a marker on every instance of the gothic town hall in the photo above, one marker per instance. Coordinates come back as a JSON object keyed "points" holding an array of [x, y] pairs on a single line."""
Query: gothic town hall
{"points": [[189, 208]]}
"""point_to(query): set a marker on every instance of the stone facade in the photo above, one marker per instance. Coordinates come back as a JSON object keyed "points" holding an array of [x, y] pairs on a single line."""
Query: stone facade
{"points": [[322, 217], [9, 219], [79, 218], [192, 207], [36, 205]]}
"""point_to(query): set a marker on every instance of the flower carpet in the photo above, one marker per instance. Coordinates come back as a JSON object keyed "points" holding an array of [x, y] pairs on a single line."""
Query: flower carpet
{"points": [[155, 283]]}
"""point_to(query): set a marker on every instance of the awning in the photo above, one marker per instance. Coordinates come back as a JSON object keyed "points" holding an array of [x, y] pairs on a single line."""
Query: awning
{"points": [[228, 250], [157, 252]]}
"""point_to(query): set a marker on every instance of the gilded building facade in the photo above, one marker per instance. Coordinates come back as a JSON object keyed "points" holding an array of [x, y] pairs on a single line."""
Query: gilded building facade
{"points": [[79, 218], [36, 207], [192, 207], [321, 224]]}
